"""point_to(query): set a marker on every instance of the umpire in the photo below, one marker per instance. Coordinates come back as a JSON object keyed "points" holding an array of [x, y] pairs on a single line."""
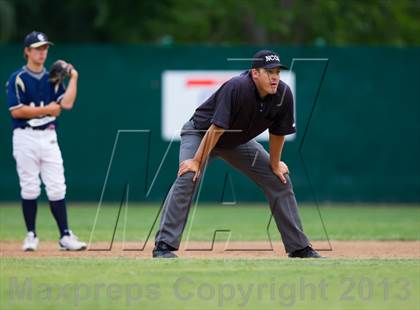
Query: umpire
{"points": [[225, 126]]}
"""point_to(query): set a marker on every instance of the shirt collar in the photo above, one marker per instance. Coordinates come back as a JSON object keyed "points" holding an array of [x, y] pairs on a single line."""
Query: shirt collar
{"points": [[36, 75]]}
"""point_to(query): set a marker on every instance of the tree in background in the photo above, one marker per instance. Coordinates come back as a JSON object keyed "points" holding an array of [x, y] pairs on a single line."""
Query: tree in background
{"points": [[332, 22]]}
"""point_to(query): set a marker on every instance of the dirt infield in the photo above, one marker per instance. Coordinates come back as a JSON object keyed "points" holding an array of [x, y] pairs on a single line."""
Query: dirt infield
{"points": [[248, 250]]}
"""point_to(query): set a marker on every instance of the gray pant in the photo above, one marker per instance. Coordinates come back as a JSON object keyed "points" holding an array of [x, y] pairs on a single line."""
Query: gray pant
{"points": [[253, 160]]}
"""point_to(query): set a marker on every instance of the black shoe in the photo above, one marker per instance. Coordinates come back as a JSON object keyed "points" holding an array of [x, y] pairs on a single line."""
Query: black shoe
{"points": [[307, 252], [163, 250]]}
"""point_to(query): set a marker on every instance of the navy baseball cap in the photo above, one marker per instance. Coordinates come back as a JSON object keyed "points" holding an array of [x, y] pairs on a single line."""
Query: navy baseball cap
{"points": [[36, 39], [267, 59]]}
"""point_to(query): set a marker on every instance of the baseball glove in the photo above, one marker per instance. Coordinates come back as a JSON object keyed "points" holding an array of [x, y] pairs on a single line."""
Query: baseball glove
{"points": [[59, 71]]}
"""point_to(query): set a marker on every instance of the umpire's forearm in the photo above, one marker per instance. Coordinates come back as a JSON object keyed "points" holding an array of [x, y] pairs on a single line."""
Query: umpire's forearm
{"points": [[208, 142], [276, 147]]}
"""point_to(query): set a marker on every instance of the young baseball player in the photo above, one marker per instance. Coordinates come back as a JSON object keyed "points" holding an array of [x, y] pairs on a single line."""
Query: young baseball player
{"points": [[35, 103], [225, 126]]}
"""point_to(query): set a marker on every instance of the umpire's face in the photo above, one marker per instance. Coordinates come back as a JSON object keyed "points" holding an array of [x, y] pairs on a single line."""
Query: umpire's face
{"points": [[37, 55], [266, 80]]}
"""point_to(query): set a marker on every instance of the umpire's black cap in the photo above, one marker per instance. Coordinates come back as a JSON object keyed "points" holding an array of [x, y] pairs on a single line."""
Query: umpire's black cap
{"points": [[36, 39], [267, 59]]}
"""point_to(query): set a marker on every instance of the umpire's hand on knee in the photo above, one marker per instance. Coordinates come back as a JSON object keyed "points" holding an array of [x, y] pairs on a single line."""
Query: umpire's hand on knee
{"points": [[190, 165], [281, 170]]}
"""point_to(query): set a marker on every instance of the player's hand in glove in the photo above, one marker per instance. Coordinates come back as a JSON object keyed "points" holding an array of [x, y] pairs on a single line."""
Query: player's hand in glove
{"points": [[59, 71], [280, 170], [189, 165]]}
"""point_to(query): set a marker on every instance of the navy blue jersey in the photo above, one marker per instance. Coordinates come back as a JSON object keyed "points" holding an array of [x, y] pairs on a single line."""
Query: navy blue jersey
{"points": [[237, 106], [33, 89]]}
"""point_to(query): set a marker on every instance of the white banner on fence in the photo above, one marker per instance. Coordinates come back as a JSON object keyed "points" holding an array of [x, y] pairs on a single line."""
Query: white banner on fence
{"points": [[184, 91]]}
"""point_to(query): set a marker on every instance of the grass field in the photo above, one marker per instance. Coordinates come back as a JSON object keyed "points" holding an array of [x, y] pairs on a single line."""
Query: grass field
{"points": [[118, 283], [209, 284], [246, 222]]}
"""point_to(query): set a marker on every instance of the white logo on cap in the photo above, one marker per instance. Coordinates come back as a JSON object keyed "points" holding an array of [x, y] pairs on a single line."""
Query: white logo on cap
{"points": [[272, 57], [40, 37]]}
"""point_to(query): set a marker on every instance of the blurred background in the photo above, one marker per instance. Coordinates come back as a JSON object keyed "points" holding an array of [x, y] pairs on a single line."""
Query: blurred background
{"points": [[283, 22], [355, 66]]}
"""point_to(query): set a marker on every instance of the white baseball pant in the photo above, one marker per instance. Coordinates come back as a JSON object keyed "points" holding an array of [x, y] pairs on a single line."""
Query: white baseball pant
{"points": [[38, 154]]}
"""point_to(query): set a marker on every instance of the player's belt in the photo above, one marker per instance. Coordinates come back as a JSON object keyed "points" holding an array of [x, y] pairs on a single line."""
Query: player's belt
{"points": [[48, 126]]}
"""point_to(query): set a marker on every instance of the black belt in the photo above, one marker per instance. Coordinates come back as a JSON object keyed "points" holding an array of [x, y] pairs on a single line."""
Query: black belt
{"points": [[49, 126]]}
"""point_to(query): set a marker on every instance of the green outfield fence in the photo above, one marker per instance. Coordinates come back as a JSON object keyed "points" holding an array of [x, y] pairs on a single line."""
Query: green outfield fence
{"points": [[362, 144]]}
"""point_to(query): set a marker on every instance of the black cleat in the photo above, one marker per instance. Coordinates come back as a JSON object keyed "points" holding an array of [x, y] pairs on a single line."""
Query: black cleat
{"points": [[163, 250], [307, 252]]}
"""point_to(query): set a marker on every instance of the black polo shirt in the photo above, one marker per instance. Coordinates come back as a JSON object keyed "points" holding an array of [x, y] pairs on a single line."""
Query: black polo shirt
{"points": [[236, 105]]}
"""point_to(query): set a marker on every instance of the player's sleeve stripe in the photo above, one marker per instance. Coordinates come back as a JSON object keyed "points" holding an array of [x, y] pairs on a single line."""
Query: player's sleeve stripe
{"points": [[60, 98], [15, 106], [19, 83]]}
